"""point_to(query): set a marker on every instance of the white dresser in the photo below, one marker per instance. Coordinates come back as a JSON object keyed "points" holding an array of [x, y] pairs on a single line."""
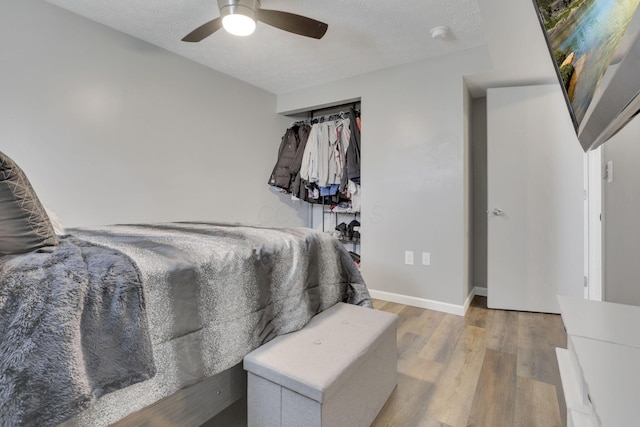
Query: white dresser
{"points": [[600, 369]]}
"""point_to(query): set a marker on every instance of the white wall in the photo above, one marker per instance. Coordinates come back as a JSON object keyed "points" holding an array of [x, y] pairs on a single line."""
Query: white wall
{"points": [[413, 173], [112, 129], [517, 47], [620, 217]]}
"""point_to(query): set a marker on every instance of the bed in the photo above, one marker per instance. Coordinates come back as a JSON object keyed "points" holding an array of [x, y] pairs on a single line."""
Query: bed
{"points": [[148, 323]]}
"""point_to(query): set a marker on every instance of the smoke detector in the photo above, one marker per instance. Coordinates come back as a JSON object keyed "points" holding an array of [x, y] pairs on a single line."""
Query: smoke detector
{"points": [[440, 32]]}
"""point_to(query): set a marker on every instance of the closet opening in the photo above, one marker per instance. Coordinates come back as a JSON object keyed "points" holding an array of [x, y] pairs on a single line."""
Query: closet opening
{"points": [[319, 163]]}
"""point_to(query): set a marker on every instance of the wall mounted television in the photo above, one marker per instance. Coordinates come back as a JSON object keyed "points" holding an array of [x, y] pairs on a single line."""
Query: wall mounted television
{"points": [[595, 48]]}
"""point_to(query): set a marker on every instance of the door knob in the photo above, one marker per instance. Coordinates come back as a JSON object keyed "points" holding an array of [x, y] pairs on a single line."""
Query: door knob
{"points": [[498, 212]]}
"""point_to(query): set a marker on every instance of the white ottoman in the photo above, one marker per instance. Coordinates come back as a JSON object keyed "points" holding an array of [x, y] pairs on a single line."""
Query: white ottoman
{"points": [[337, 371]]}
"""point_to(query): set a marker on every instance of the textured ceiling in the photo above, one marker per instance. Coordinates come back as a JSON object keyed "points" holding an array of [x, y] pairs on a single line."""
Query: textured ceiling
{"points": [[363, 36]]}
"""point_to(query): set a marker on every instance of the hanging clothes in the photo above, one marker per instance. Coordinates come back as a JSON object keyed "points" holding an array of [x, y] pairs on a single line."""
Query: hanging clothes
{"points": [[297, 187], [309, 167], [324, 156], [330, 172], [343, 133], [351, 170], [292, 139], [337, 144], [319, 162]]}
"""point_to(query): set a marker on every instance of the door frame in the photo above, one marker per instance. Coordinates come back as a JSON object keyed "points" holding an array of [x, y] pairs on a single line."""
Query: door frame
{"points": [[593, 225]]}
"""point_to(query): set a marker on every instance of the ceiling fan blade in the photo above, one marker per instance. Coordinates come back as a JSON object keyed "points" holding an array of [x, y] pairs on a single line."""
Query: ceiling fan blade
{"points": [[203, 31], [293, 23]]}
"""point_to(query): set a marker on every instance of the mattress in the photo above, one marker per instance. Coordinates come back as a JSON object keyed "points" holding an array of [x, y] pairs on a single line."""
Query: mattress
{"points": [[214, 292]]}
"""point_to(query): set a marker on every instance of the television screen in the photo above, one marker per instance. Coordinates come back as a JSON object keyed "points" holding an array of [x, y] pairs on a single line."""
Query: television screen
{"points": [[582, 36]]}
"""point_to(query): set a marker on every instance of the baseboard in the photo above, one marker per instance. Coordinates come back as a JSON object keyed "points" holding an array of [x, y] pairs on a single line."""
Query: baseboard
{"points": [[474, 291], [445, 307], [480, 291], [419, 302]]}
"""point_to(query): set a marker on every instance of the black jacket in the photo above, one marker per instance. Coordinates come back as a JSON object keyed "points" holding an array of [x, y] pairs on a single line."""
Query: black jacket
{"points": [[352, 157], [291, 147]]}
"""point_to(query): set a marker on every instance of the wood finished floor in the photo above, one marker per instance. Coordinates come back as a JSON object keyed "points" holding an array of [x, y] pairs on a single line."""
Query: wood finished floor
{"points": [[490, 368]]}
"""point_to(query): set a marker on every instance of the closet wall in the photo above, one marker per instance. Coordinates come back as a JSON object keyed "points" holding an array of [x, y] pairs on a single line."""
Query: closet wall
{"points": [[415, 186]]}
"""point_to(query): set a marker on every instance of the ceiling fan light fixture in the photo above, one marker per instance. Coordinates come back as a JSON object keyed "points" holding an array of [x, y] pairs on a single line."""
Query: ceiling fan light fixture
{"points": [[239, 16], [238, 24]]}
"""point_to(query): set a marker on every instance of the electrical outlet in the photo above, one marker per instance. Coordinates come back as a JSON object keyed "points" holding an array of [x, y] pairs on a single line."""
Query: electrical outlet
{"points": [[408, 257], [426, 258]]}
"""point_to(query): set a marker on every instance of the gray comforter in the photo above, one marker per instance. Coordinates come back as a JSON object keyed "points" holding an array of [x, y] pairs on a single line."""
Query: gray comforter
{"points": [[215, 292], [72, 328]]}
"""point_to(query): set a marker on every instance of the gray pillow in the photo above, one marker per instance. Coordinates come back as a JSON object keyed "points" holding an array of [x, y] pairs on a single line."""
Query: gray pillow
{"points": [[24, 224]]}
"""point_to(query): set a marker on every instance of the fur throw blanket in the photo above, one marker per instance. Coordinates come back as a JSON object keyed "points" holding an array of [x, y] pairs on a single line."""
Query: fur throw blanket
{"points": [[73, 327]]}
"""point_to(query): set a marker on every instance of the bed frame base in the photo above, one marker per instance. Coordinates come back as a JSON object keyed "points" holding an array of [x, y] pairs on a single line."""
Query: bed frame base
{"points": [[194, 405]]}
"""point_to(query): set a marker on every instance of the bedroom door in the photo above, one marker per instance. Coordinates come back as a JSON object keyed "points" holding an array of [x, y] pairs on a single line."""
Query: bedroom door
{"points": [[535, 243]]}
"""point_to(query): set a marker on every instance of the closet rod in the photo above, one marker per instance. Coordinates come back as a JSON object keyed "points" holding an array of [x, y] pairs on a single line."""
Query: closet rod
{"points": [[321, 119], [328, 117], [347, 106]]}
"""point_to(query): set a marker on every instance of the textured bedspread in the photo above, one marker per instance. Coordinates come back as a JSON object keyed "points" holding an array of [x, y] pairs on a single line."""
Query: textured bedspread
{"points": [[72, 328], [215, 292]]}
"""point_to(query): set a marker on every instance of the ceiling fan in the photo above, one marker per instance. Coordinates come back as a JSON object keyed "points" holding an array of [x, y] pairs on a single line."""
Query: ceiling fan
{"points": [[239, 18]]}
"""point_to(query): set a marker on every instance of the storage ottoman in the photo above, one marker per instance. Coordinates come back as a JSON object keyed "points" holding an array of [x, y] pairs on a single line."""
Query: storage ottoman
{"points": [[337, 371]]}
